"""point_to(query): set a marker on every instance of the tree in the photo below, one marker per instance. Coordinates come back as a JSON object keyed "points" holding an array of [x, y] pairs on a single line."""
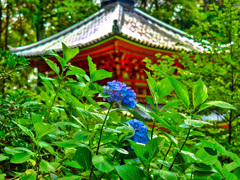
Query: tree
{"points": [[31, 20]]}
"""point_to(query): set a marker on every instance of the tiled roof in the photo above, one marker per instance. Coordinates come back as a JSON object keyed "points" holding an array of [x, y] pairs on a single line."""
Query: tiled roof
{"points": [[135, 25]]}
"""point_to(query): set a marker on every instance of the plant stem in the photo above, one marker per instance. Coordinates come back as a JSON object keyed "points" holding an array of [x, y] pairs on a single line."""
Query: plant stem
{"points": [[99, 141], [49, 109], [180, 150], [101, 131], [167, 153], [152, 130]]}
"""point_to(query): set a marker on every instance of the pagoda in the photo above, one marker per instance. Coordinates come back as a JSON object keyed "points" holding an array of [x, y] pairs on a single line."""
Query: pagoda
{"points": [[117, 37]]}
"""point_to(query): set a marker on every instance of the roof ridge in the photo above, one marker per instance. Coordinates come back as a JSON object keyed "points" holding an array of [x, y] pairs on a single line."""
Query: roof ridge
{"points": [[166, 25]]}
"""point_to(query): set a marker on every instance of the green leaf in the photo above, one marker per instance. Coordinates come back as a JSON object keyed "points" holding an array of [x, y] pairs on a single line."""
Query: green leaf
{"points": [[2, 176], [167, 175], [97, 74], [11, 150], [46, 146], [52, 65], [160, 120], [191, 156], [214, 145], [164, 88], [196, 123], [172, 104], [26, 130], [73, 164], [3, 158], [127, 132], [67, 144], [20, 158], [150, 101], [69, 53], [199, 93], [181, 90], [83, 136], [153, 147], [234, 157], [77, 71], [231, 166], [220, 104], [70, 178], [143, 108], [100, 74], [30, 103], [139, 149], [130, 172], [92, 66], [172, 138], [152, 84], [83, 156], [30, 174], [46, 167], [136, 114], [59, 58], [102, 163]]}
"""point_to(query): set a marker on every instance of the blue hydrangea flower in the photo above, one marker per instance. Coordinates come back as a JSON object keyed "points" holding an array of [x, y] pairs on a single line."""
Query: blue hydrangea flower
{"points": [[140, 135], [120, 92]]}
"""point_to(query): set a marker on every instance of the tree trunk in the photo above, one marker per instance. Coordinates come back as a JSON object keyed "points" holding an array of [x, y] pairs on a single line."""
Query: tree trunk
{"points": [[156, 4], [40, 23], [205, 5], [0, 25], [6, 29]]}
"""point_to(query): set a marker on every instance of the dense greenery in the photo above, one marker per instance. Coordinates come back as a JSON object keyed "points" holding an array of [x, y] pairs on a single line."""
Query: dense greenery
{"points": [[65, 134], [218, 66]]}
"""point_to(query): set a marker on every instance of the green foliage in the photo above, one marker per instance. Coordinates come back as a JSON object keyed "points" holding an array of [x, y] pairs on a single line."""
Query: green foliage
{"points": [[217, 31], [66, 134]]}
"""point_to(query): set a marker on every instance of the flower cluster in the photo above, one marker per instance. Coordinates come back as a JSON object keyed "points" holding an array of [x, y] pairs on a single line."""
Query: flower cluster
{"points": [[120, 92], [140, 129]]}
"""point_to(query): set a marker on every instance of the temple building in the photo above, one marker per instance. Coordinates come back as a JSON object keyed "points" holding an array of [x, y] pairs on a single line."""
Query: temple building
{"points": [[118, 37]]}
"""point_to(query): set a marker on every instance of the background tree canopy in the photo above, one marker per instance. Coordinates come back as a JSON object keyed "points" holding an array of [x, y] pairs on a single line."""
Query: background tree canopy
{"points": [[30, 20]]}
